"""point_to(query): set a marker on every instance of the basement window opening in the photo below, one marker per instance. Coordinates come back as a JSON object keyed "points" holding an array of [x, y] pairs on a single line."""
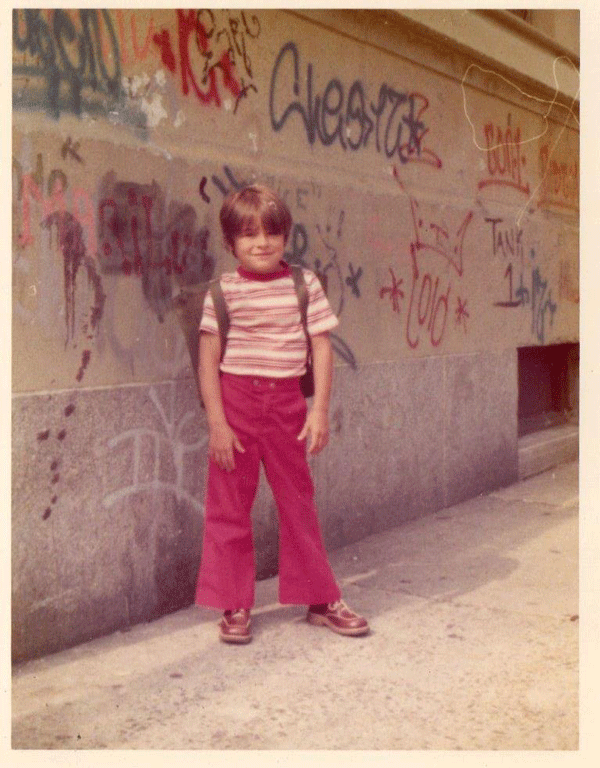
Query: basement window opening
{"points": [[548, 387]]}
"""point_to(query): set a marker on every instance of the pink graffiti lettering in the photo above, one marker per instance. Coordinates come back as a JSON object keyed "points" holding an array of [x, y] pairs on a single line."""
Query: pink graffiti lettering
{"points": [[57, 197], [130, 36]]}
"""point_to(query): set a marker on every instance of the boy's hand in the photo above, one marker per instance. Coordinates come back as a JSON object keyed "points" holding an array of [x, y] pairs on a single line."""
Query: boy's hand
{"points": [[317, 423], [222, 442]]}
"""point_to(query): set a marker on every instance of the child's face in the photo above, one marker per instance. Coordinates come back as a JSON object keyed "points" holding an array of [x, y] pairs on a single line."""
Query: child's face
{"points": [[258, 251]]}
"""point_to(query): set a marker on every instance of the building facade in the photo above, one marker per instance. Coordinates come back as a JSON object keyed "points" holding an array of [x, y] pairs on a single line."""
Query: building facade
{"points": [[431, 163]]}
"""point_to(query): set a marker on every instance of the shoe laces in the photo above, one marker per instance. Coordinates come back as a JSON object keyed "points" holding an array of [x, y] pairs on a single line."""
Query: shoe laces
{"points": [[339, 605], [238, 612]]}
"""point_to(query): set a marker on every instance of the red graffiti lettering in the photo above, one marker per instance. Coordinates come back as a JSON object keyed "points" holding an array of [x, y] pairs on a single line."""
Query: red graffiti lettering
{"points": [[394, 291], [560, 182], [434, 236], [430, 309], [417, 153], [190, 28], [163, 41], [461, 312], [505, 161]]}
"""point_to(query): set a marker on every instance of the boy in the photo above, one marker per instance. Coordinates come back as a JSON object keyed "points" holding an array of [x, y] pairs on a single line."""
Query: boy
{"points": [[256, 412]]}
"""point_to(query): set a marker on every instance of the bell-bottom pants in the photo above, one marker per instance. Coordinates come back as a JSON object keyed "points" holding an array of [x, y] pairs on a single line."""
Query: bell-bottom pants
{"points": [[267, 416]]}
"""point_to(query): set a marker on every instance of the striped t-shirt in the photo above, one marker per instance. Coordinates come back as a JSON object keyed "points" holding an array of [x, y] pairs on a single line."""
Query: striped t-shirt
{"points": [[266, 337]]}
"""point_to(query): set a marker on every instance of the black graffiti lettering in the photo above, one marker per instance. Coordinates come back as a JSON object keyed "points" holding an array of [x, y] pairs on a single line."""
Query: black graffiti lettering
{"points": [[203, 183], [353, 278], [508, 240], [219, 185], [299, 240], [394, 131], [416, 130], [68, 148], [378, 112], [278, 122], [65, 53], [343, 350], [340, 114], [541, 302], [356, 112], [332, 108]]}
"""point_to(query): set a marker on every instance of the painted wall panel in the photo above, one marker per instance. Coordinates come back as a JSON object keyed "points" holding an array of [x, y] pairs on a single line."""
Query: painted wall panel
{"points": [[473, 191], [436, 199]]}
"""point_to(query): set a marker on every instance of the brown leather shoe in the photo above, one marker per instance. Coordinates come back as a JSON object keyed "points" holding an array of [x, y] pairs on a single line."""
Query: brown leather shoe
{"points": [[235, 626], [339, 618]]}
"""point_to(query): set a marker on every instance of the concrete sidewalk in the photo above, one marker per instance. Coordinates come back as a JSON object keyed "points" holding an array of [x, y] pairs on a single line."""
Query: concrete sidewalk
{"points": [[474, 646]]}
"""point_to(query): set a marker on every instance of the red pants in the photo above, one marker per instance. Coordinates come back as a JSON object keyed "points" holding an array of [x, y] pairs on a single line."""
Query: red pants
{"points": [[267, 415]]}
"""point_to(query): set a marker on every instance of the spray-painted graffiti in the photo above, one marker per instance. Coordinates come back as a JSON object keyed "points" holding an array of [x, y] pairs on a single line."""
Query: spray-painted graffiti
{"points": [[70, 149], [224, 187], [139, 234], [505, 158], [345, 115], [430, 287], [461, 313], [532, 291], [438, 237], [229, 35], [71, 244], [560, 181], [568, 285], [427, 305], [54, 439], [393, 291], [179, 441], [507, 240], [221, 48], [40, 196], [67, 217], [72, 60], [353, 278], [322, 255], [66, 65], [525, 285], [129, 35]]}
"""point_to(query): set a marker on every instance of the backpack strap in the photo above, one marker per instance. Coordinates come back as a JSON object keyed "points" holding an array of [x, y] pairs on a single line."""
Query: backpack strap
{"points": [[301, 293], [220, 311]]}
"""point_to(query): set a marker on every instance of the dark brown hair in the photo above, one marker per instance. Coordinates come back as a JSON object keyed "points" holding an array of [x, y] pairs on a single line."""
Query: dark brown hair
{"points": [[242, 210]]}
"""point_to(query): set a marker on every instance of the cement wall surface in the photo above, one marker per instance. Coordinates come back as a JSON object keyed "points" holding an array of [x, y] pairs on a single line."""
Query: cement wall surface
{"points": [[436, 198]]}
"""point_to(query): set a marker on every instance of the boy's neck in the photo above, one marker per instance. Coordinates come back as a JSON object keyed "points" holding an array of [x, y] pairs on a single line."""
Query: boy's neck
{"points": [[283, 270]]}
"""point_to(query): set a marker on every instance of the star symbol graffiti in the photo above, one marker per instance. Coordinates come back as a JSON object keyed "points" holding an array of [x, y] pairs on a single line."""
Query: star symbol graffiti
{"points": [[461, 312], [394, 291]]}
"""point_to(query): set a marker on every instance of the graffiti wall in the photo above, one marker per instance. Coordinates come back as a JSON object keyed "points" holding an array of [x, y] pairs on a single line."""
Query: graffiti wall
{"points": [[439, 209]]}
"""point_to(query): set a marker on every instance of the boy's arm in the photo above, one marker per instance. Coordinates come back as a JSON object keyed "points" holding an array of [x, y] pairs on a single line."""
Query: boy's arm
{"points": [[222, 439], [317, 420]]}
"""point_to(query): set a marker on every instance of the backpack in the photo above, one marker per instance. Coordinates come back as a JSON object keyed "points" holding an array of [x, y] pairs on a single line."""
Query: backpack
{"points": [[188, 306]]}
